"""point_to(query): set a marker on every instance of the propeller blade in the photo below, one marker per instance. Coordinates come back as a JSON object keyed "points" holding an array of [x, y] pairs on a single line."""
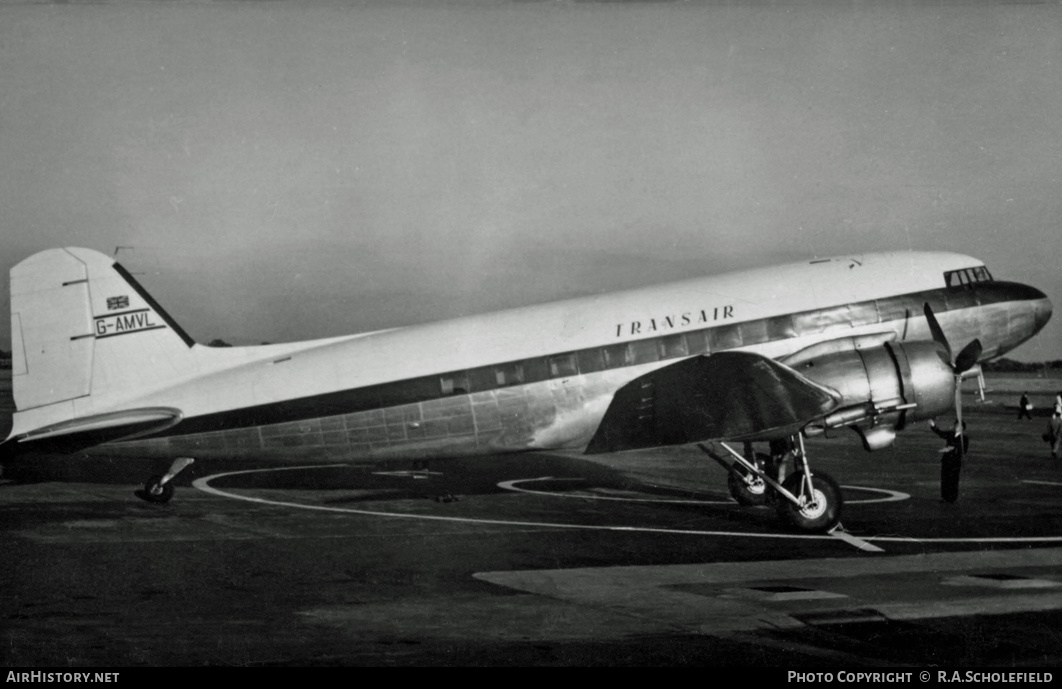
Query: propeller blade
{"points": [[968, 357], [969, 354], [964, 362], [958, 403], [936, 331], [958, 414]]}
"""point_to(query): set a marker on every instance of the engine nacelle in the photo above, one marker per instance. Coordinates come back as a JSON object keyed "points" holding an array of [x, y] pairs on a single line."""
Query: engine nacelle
{"points": [[883, 388]]}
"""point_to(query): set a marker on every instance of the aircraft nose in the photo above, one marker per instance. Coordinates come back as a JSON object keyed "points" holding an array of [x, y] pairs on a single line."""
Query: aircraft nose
{"points": [[1042, 309]]}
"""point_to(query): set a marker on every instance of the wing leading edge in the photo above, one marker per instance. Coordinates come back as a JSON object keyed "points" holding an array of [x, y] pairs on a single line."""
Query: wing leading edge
{"points": [[726, 395]]}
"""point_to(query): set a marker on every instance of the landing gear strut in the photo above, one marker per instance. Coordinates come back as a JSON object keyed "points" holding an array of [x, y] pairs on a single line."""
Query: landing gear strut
{"points": [[806, 501], [159, 488]]}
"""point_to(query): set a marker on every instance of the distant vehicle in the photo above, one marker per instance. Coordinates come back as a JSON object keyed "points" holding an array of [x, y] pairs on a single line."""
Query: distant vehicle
{"points": [[772, 354]]}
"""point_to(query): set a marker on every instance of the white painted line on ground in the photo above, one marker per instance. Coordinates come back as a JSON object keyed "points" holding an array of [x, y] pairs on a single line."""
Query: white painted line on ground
{"points": [[511, 485], [408, 473], [857, 542], [967, 539], [733, 573], [890, 495], [203, 484]]}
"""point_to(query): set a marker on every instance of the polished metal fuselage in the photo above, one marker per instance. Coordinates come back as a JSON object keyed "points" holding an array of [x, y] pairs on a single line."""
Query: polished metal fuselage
{"points": [[489, 392]]}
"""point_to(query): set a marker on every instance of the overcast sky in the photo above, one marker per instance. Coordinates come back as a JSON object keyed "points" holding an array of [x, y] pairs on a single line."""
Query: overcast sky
{"points": [[282, 171]]}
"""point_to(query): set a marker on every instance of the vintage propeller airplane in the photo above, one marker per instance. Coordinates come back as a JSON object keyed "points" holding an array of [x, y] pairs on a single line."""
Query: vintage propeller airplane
{"points": [[773, 354]]}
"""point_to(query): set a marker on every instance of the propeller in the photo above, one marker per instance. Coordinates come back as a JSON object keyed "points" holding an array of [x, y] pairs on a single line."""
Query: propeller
{"points": [[959, 364]]}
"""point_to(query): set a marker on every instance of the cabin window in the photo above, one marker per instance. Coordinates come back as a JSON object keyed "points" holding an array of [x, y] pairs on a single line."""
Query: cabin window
{"points": [[408, 391], [591, 360], [833, 317], [616, 356], [563, 365], [643, 351], [535, 370], [724, 337], [509, 374], [454, 384], [780, 327], [673, 346], [753, 332], [480, 379], [808, 322], [697, 342]]}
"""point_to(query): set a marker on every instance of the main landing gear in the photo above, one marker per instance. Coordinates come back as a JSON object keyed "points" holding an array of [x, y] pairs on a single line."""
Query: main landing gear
{"points": [[805, 501], [159, 488]]}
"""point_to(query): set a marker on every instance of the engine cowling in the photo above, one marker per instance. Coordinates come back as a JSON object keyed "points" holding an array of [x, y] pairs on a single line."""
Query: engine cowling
{"points": [[883, 387]]}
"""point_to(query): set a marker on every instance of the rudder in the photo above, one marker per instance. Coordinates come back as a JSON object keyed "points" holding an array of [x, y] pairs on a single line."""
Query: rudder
{"points": [[81, 325]]}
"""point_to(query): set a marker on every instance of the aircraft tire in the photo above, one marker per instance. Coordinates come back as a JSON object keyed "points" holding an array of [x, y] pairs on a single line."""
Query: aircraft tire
{"points": [[151, 489], [746, 495], [817, 516]]}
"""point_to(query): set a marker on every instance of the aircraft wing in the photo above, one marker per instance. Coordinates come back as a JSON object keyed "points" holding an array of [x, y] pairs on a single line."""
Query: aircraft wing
{"points": [[725, 395]]}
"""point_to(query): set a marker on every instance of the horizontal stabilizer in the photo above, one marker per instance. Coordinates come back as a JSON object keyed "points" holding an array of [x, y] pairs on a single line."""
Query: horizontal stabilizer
{"points": [[725, 395], [75, 434]]}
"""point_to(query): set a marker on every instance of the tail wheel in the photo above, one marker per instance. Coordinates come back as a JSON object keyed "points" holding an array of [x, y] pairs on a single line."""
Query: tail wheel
{"points": [[748, 489], [819, 509], [157, 491]]}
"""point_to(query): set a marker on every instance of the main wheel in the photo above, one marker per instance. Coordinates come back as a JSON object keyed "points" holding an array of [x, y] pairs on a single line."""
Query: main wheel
{"points": [[157, 491], [819, 511], [748, 489]]}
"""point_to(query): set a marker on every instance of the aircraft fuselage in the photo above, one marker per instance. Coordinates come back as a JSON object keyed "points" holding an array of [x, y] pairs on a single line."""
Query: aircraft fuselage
{"points": [[535, 378], [542, 377]]}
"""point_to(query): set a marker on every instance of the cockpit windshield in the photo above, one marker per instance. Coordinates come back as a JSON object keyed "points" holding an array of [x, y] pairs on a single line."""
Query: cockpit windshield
{"points": [[967, 276]]}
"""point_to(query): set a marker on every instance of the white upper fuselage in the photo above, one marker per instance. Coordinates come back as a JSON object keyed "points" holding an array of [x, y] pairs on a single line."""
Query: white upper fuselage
{"points": [[238, 377]]}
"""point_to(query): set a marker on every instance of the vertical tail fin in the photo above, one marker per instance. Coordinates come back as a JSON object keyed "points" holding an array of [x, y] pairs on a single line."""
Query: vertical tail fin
{"points": [[82, 326]]}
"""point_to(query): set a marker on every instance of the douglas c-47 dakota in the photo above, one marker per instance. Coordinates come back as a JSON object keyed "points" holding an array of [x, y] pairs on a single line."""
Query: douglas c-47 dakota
{"points": [[773, 354]]}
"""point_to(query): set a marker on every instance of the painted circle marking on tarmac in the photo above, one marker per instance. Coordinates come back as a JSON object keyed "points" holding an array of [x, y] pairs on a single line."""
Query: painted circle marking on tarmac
{"points": [[889, 495], [511, 485], [203, 484]]}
